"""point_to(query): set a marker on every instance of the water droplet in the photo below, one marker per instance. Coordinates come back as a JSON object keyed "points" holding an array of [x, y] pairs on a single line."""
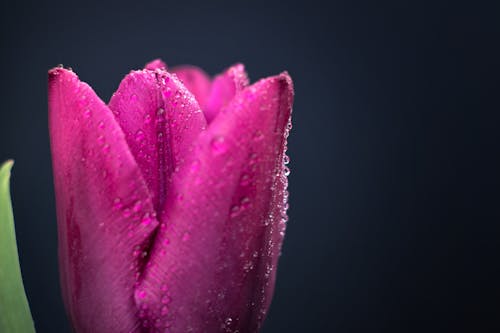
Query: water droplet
{"points": [[141, 294], [245, 179], [147, 119], [105, 148], [117, 203], [258, 135], [133, 97], [219, 146], [286, 171], [101, 124], [165, 299], [160, 112], [286, 159], [245, 201], [286, 194], [167, 92], [140, 136], [126, 212], [195, 166], [235, 210], [146, 219], [186, 236], [252, 158], [137, 206], [87, 113], [164, 310], [100, 139]]}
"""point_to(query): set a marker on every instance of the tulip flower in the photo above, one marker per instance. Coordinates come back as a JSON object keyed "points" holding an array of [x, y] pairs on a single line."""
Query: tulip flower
{"points": [[171, 199]]}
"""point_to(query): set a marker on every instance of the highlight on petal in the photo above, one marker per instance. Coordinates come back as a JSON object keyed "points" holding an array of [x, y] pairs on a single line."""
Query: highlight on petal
{"points": [[196, 81], [156, 64], [104, 209], [224, 87], [161, 120], [212, 265]]}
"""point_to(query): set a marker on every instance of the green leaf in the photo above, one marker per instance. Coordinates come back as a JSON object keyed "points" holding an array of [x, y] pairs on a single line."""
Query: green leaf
{"points": [[15, 315]]}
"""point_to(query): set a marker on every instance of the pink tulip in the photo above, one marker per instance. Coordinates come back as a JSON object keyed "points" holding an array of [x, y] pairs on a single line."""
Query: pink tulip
{"points": [[171, 199]]}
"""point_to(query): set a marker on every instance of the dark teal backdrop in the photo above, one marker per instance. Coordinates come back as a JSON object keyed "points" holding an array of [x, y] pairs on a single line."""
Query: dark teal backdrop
{"points": [[395, 170]]}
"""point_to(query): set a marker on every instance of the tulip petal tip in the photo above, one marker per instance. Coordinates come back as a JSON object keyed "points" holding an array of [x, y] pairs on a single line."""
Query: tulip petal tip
{"points": [[156, 64]]}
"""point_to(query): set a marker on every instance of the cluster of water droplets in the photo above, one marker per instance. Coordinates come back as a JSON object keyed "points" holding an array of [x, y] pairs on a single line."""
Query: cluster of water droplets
{"points": [[284, 175], [155, 319]]}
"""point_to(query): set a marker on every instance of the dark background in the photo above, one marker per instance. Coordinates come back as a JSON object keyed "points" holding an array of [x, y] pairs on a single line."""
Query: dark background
{"points": [[394, 219]]}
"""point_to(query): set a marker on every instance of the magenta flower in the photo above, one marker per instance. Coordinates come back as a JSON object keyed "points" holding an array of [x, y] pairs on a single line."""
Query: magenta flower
{"points": [[171, 199]]}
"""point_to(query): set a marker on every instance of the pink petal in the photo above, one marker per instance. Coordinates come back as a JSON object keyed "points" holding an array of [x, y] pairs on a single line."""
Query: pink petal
{"points": [[156, 64], [224, 87], [196, 81], [104, 212], [213, 264], [161, 120]]}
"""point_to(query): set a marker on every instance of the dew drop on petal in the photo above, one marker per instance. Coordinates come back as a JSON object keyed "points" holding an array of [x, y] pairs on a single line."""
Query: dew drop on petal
{"points": [[167, 92], [235, 210], [137, 206], [126, 212], [258, 135], [164, 310], [219, 146], [140, 136], [186, 236], [146, 219], [245, 179], [245, 202], [117, 203], [195, 166], [141, 294]]}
